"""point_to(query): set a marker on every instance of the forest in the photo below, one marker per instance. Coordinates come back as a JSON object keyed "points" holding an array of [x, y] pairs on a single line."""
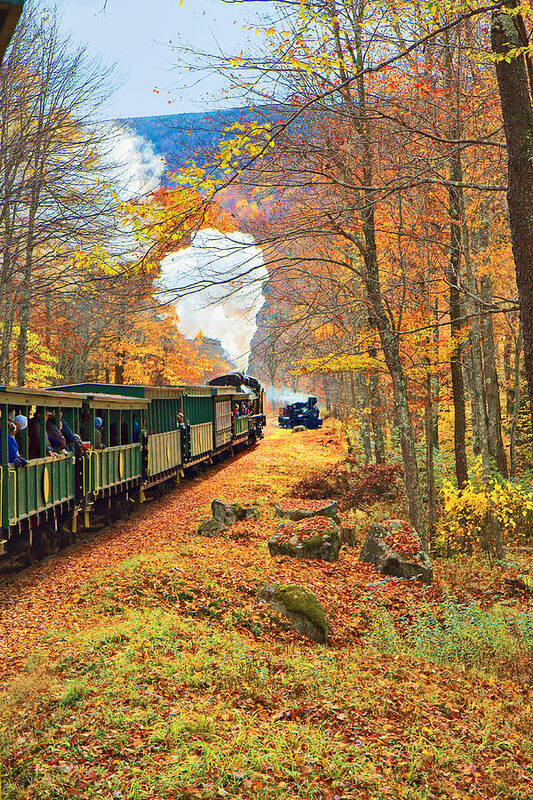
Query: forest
{"points": [[378, 196], [337, 613]]}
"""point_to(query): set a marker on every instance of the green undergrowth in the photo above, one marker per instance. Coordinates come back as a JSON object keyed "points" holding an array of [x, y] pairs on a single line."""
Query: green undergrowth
{"points": [[497, 640], [158, 581], [153, 705]]}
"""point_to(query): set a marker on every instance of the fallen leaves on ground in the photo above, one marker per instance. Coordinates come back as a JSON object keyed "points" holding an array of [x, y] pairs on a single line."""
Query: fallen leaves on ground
{"points": [[155, 673]]}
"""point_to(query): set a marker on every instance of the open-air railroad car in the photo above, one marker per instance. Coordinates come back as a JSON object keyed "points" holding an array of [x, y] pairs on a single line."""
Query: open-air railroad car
{"points": [[131, 442]]}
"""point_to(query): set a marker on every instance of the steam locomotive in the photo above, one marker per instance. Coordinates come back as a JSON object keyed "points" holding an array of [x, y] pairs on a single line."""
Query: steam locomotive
{"points": [[306, 414]]}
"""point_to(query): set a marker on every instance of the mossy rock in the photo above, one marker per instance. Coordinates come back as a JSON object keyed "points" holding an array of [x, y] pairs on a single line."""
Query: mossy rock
{"points": [[390, 561], [323, 545], [329, 509], [230, 513], [211, 527], [300, 607]]}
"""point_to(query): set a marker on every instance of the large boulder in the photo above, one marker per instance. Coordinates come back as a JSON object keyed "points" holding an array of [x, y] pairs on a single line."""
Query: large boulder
{"points": [[300, 607], [317, 537], [230, 513], [395, 549], [296, 510], [224, 515]]}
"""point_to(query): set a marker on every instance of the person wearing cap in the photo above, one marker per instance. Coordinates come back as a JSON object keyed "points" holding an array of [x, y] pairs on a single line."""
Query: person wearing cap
{"points": [[21, 423], [98, 425]]}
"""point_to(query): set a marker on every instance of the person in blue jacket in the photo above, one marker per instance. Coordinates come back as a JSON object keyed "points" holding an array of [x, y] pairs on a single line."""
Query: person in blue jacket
{"points": [[69, 436], [13, 455]]}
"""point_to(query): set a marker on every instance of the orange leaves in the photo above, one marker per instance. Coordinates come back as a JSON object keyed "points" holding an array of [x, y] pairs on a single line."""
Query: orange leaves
{"points": [[169, 219]]}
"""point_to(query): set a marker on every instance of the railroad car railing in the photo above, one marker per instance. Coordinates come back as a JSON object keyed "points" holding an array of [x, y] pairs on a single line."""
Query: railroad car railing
{"points": [[164, 452], [42, 484], [112, 466], [242, 426], [201, 439]]}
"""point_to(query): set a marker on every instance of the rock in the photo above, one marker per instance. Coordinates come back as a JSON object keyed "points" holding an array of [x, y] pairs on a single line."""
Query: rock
{"points": [[307, 539], [223, 513], [401, 556], [229, 514], [329, 509], [298, 429], [211, 527], [300, 607]]}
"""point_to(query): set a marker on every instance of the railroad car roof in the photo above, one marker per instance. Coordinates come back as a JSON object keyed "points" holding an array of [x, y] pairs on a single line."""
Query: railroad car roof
{"points": [[130, 390], [19, 395], [116, 401], [138, 390]]}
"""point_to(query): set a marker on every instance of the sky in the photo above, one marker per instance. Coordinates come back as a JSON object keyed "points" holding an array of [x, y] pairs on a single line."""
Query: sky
{"points": [[135, 35]]}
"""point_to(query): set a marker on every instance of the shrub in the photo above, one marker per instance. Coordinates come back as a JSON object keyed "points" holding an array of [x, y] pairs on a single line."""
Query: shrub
{"points": [[467, 514], [353, 485], [497, 639]]}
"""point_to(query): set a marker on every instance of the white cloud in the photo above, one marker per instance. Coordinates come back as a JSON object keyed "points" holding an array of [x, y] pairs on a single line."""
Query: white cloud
{"points": [[216, 297]]}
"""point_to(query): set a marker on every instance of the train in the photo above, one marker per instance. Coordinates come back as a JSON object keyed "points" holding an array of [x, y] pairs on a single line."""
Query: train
{"points": [[306, 414], [131, 444]]}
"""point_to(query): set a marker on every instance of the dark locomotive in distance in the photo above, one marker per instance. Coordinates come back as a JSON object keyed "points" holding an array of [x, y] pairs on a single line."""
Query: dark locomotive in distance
{"points": [[306, 414], [74, 453]]}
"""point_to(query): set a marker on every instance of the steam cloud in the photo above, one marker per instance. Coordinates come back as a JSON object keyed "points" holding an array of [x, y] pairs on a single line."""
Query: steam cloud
{"points": [[283, 396], [203, 280], [210, 294]]}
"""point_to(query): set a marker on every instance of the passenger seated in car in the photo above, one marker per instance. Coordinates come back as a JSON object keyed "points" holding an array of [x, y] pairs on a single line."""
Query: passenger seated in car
{"points": [[98, 426], [57, 440], [34, 437], [13, 454], [69, 436], [21, 423]]}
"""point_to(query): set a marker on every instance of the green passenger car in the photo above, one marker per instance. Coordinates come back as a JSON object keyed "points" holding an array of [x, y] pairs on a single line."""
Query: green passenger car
{"points": [[162, 404], [44, 490], [112, 454], [197, 409]]}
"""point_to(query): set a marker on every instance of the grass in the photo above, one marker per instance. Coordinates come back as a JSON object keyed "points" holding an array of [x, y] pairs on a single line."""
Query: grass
{"points": [[497, 640], [153, 705]]}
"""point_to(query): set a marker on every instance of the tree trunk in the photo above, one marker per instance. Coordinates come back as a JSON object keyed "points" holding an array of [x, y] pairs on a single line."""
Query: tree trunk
{"points": [[517, 115], [430, 465], [360, 402], [492, 387], [376, 413], [507, 372], [516, 405], [435, 382], [456, 368]]}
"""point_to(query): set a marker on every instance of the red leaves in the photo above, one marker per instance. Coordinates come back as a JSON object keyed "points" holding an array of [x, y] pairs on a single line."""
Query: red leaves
{"points": [[353, 484], [305, 529], [404, 541]]}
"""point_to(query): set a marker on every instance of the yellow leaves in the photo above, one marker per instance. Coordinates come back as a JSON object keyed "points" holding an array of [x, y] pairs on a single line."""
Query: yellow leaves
{"points": [[467, 512], [339, 363]]}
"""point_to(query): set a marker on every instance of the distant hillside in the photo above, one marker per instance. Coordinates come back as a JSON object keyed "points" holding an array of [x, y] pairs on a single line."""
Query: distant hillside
{"points": [[178, 137]]}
